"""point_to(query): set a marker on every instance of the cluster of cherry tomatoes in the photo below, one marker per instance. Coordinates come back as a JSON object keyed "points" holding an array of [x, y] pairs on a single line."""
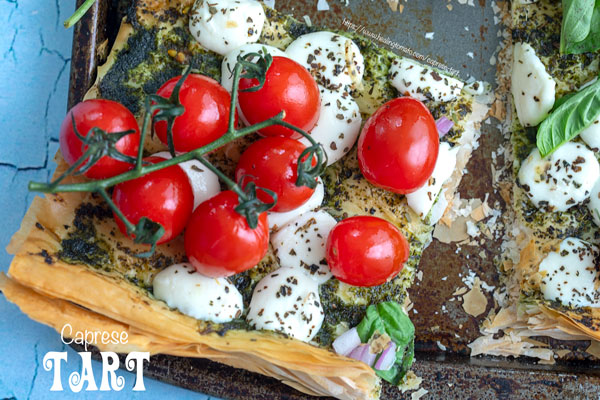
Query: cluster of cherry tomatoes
{"points": [[397, 150]]}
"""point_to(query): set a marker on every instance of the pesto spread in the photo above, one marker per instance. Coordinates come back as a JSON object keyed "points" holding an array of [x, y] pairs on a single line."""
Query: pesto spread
{"points": [[154, 54]]}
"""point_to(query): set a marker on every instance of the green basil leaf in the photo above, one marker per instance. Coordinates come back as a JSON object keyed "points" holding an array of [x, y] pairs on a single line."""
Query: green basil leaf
{"points": [[398, 325], [570, 118], [561, 100], [389, 318], [576, 23], [592, 41], [404, 360], [371, 322]]}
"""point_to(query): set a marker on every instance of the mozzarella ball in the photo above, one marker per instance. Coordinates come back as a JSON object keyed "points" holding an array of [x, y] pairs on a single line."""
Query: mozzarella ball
{"points": [[423, 83], [562, 179], [570, 274], [334, 60], [591, 135], [204, 182], [287, 301], [198, 296], [338, 126], [533, 89], [224, 25], [279, 219], [302, 243], [594, 204], [421, 200]]}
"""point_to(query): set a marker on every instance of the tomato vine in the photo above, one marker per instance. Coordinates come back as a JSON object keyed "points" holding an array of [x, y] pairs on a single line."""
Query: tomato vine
{"points": [[157, 108]]}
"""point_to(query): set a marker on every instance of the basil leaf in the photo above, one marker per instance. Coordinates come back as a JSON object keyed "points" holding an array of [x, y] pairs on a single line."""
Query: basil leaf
{"points": [[577, 17], [570, 118], [592, 41], [404, 360], [389, 318], [371, 323], [561, 100]]}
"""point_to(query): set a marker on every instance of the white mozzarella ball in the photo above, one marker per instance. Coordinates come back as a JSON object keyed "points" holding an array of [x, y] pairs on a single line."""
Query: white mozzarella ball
{"points": [[198, 296], [570, 274], [230, 60], [591, 135], [334, 60], [422, 200], [423, 83], [287, 301], [562, 179], [594, 204], [204, 182], [533, 89], [338, 126], [302, 244], [279, 219], [224, 25]]}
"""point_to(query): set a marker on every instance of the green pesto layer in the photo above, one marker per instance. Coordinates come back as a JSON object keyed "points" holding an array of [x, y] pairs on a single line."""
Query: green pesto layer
{"points": [[144, 64]]}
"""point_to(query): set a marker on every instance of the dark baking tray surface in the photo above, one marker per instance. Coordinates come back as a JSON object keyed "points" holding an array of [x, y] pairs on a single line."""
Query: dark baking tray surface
{"points": [[464, 39]]}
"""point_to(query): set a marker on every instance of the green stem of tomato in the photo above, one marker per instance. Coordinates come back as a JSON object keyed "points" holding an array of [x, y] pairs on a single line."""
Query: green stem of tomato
{"points": [[142, 168], [230, 183], [130, 227], [234, 96], [145, 126], [78, 14], [72, 168], [320, 154], [94, 186]]}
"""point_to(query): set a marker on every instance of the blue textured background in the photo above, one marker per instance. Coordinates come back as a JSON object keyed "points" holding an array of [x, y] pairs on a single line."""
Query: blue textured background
{"points": [[35, 53]]}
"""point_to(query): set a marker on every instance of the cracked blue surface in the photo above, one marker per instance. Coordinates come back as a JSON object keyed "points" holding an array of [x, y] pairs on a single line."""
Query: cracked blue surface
{"points": [[35, 53]]}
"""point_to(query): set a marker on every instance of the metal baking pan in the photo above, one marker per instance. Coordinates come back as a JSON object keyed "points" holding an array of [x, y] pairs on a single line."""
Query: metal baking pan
{"points": [[464, 39]]}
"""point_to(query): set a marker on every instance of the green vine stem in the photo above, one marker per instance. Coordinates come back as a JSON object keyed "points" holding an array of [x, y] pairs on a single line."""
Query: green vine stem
{"points": [[78, 14], [149, 232], [93, 186]]}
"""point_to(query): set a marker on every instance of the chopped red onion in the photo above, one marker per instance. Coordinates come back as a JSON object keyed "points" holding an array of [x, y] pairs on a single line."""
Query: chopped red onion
{"points": [[387, 358], [362, 353], [443, 125], [369, 357], [346, 342], [357, 352]]}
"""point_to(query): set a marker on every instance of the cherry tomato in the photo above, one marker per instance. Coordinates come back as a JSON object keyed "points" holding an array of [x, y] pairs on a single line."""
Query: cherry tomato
{"points": [[272, 163], [164, 196], [109, 116], [219, 242], [288, 87], [398, 146], [206, 115], [366, 251]]}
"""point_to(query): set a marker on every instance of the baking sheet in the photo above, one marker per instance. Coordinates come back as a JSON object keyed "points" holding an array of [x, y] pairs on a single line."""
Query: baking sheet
{"points": [[462, 39]]}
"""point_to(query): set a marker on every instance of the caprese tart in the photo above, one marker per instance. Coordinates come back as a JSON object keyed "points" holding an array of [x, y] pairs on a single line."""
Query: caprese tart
{"points": [[283, 247], [550, 261]]}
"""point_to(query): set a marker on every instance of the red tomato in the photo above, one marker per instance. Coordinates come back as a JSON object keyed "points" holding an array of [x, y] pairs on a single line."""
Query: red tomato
{"points": [[206, 115], [288, 87], [219, 242], [366, 251], [398, 146], [164, 196], [272, 163], [109, 116]]}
